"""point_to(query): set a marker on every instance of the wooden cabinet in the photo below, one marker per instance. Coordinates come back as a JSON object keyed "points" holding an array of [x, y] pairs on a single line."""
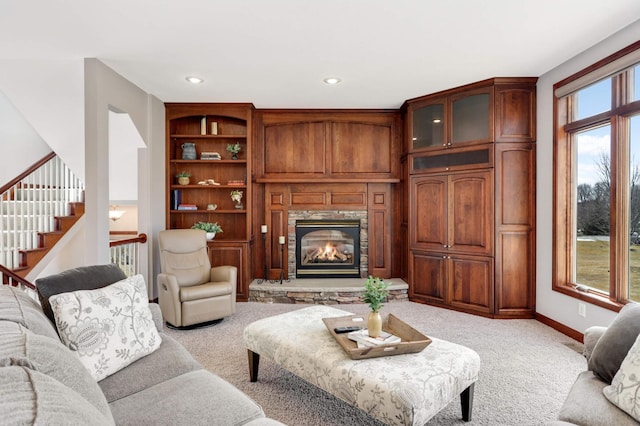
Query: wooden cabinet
{"points": [[471, 190], [453, 214], [455, 120], [208, 129], [494, 110], [233, 253]]}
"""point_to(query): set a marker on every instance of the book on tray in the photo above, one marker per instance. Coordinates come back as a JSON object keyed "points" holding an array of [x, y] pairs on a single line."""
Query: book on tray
{"points": [[362, 338]]}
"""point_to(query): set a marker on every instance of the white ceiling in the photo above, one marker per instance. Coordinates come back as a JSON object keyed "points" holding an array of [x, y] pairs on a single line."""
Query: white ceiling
{"points": [[275, 53]]}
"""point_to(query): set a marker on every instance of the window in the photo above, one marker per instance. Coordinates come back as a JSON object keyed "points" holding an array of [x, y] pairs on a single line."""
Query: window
{"points": [[596, 251]]}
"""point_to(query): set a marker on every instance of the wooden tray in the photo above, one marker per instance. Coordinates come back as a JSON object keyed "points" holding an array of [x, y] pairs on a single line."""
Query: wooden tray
{"points": [[412, 340]]}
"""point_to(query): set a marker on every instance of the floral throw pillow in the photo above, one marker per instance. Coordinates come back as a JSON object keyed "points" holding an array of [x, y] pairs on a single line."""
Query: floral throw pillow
{"points": [[625, 387], [108, 328]]}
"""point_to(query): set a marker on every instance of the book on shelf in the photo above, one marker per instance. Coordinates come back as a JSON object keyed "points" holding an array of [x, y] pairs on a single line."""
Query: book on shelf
{"points": [[235, 183], [210, 156], [187, 207], [362, 338]]}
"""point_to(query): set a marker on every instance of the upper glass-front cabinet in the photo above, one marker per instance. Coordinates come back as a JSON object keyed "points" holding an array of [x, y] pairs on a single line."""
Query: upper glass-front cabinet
{"points": [[428, 126], [470, 118], [458, 119]]}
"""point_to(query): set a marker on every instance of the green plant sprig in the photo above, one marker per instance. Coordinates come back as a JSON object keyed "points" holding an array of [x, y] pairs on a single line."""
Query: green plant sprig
{"points": [[234, 148], [375, 292], [208, 227]]}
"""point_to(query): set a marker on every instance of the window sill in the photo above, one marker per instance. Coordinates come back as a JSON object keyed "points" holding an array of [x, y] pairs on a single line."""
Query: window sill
{"points": [[590, 296]]}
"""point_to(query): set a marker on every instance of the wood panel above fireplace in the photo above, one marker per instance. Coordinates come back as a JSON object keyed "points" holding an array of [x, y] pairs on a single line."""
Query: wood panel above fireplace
{"points": [[339, 146]]}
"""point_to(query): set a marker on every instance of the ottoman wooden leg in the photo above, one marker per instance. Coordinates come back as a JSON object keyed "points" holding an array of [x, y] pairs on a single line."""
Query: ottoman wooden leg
{"points": [[466, 400], [254, 362]]}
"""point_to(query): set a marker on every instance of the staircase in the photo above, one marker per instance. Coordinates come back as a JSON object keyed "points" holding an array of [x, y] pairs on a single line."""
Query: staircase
{"points": [[36, 209]]}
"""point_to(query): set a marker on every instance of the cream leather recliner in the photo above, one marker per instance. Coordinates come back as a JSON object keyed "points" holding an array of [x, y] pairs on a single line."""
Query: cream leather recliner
{"points": [[190, 291]]}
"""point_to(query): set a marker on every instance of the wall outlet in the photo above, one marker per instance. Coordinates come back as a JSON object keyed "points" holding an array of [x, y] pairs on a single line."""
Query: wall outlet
{"points": [[582, 309]]}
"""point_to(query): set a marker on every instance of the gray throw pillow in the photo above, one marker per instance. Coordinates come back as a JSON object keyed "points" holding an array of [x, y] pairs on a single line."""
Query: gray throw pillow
{"points": [[18, 307], [82, 278], [32, 398], [48, 356], [613, 346]]}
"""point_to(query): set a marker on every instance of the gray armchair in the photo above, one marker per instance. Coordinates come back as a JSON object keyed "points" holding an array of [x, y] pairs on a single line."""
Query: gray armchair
{"points": [[190, 291]]}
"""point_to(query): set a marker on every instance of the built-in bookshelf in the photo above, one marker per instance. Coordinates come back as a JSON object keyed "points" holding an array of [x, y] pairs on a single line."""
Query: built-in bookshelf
{"points": [[198, 136]]}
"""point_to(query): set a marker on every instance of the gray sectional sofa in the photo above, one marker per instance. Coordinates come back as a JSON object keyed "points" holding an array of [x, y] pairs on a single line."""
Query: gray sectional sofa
{"points": [[43, 382], [605, 348]]}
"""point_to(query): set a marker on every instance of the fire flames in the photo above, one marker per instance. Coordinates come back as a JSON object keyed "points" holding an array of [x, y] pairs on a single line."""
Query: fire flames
{"points": [[326, 253]]}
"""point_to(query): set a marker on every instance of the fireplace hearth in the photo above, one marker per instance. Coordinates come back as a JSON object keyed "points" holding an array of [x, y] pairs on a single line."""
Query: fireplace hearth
{"points": [[327, 248]]}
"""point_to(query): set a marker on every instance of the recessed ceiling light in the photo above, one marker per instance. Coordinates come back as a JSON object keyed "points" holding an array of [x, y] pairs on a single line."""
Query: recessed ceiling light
{"points": [[194, 80], [436, 120], [332, 80]]}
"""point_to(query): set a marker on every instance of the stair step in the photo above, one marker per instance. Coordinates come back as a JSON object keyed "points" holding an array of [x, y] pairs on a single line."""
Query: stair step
{"points": [[30, 255]]}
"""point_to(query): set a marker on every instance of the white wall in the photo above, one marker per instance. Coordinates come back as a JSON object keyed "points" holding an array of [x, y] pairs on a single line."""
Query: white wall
{"points": [[49, 94], [554, 305], [17, 138], [124, 141], [106, 90]]}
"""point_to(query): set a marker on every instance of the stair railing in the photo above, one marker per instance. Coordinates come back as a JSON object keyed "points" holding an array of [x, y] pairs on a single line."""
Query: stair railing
{"points": [[125, 253], [8, 277], [30, 202]]}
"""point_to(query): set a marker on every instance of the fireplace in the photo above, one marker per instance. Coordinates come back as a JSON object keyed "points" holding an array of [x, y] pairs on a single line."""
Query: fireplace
{"points": [[327, 248]]}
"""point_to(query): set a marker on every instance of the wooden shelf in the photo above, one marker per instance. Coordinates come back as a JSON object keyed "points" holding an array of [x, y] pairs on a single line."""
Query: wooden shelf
{"points": [[208, 136], [327, 180], [217, 211], [221, 186], [208, 162]]}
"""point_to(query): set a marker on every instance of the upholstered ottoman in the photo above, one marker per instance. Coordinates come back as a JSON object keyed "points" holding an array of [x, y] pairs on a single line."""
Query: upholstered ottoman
{"points": [[399, 390]]}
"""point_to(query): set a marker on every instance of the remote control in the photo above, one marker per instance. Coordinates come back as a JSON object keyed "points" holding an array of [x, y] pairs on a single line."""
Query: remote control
{"points": [[347, 329]]}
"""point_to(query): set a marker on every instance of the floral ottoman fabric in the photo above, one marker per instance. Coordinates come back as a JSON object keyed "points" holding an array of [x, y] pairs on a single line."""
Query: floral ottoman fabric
{"points": [[398, 390]]}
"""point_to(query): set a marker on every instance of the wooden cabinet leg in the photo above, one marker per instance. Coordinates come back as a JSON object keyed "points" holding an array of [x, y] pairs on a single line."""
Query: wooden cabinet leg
{"points": [[254, 361], [466, 400]]}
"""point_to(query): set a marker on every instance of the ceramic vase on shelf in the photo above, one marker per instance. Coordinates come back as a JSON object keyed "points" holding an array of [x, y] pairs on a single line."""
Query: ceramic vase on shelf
{"points": [[374, 324], [211, 235], [188, 151], [184, 180]]}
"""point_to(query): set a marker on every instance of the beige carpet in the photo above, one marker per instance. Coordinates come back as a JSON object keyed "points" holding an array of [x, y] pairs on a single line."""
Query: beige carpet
{"points": [[527, 367]]}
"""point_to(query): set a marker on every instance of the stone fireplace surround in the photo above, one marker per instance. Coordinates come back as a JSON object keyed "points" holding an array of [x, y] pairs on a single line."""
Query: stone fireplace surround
{"points": [[325, 291]]}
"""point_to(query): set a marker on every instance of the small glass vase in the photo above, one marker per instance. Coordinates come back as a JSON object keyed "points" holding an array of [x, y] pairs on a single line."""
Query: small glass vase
{"points": [[374, 324], [239, 206]]}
